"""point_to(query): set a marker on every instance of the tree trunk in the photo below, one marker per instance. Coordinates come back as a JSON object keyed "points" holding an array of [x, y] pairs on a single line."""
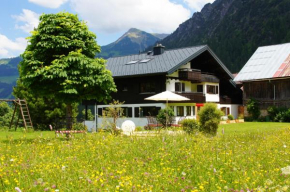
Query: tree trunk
{"points": [[69, 116]]}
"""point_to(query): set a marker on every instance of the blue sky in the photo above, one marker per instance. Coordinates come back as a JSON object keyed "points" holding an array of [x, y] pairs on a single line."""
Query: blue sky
{"points": [[108, 19]]}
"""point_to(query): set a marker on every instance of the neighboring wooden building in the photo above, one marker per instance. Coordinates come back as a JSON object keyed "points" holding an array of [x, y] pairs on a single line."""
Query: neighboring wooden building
{"points": [[266, 77], [193, 72]]}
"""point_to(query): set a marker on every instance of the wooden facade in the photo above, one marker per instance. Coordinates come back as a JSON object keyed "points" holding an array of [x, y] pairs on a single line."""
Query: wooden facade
{"points": [[129, 88], [273, 92], [204, 68]]}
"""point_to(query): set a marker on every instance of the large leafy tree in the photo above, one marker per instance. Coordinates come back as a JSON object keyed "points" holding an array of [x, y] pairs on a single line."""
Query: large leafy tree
{"points": [[43, 111], [59, 62]]}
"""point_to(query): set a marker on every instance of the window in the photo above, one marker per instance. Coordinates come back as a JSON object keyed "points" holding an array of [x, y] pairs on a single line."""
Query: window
{"points": [[100, 112], [225, 110], [136, 111], [127, 111], [188, 110], [146, 111], [180, 111], [179, 87], [212, 89], [200, 88], [193, 110], [124, 87], [148, 87]]}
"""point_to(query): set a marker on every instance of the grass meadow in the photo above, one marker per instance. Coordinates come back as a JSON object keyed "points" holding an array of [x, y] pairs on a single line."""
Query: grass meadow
{"points": [[247, 157]]}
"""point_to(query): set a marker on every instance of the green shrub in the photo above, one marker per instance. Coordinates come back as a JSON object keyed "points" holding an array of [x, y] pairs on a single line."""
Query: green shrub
{"points": [[6, 113], [79, 127], [253, 109], [165, 114], [190, 126], [241, 116], [111, 115], [139, 128], [248, 119], [279, 114], [272, 112], [230, 117], [282, 116], [209, 118]]}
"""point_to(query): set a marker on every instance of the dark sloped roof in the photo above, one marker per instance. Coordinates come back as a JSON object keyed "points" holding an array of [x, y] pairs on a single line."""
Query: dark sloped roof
{"points": [[166, 63]]}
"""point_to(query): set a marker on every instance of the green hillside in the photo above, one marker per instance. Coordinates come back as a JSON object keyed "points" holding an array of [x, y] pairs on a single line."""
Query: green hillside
{"points": [[8, 76]]}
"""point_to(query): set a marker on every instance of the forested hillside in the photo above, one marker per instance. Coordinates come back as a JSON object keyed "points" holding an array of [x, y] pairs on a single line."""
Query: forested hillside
{"points": [[234, 29], [8, 76]]}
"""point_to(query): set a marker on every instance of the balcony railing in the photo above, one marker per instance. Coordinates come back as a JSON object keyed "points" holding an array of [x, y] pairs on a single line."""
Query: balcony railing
{"points": [[209, 78], [190, 74], [193, 96], [195, 76]]}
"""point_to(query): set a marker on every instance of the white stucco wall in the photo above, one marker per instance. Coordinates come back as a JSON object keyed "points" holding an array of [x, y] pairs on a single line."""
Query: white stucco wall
{"points": [[139, 121], [234, 109], [170, 85], [91, 125], [211, 97]]}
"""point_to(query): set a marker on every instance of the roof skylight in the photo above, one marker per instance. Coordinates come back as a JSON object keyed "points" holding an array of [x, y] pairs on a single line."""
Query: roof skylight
{"points": [[132, 62], [144, 60]]}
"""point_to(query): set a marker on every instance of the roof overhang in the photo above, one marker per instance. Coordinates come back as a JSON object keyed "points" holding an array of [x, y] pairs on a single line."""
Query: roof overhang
{"points": [[138, 75], [266, 79], [205, 48]]}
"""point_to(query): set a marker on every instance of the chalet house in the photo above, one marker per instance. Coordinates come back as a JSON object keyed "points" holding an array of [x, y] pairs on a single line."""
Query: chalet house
{"points": [[193, 72], [266, 77]]}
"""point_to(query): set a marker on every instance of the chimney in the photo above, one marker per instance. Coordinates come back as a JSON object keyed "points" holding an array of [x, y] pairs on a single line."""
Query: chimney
{"points": [[158, 49]]}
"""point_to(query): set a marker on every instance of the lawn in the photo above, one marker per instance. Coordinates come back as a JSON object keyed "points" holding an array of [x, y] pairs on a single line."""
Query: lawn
{"points": [[248, 156]]}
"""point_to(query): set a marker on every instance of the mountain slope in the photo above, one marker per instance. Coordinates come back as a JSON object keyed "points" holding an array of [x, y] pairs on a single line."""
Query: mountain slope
{"points": [[8, 76], [131, 42], [234, 29]]}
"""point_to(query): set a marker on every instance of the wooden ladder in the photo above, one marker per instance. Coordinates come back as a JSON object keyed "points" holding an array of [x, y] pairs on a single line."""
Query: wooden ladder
{"points": [[24, 111]]}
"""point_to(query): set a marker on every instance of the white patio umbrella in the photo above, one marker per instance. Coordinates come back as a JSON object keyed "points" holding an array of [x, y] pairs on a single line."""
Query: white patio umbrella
{"points": [[167, 96]]}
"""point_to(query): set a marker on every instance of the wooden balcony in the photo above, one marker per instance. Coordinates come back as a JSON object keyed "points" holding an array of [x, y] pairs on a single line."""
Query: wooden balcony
{"points": [[195, 76], [209, 78], [193, 96], [190, 75]]}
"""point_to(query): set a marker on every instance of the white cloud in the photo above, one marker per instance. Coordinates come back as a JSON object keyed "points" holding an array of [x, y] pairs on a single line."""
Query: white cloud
{"points": [[111, 16], [10, 48], [197, 5], [49, 3], [29, 19]]}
